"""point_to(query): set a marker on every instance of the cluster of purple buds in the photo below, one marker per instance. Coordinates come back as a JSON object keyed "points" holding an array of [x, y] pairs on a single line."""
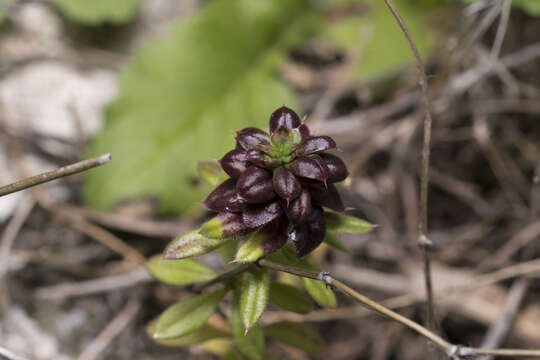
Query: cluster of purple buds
{"points": [[279, 184]]}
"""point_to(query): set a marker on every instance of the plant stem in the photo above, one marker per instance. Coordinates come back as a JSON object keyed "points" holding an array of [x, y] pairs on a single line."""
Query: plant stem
{"points": [[55, 174], [231, 273], [423, 240], [453, 351]]}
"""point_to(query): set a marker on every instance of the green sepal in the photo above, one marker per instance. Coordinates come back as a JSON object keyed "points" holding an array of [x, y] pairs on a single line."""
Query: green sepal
{"points": [[254, 295], [186, 316], [178, 272], [346, 223], [192, 243], [289, 298]]}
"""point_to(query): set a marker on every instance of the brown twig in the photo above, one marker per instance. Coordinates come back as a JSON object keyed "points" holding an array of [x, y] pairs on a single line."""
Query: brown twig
{"points": [[112, 330], [55, 174], [452, 350], [423, 240]]}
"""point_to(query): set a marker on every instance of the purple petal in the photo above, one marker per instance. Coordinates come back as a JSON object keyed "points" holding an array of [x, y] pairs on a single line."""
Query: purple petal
{"points": [[253, 138], [299, 209], [255, 185], [257, 215], [316, 144], [283, 118], [285, 184], [337, 170], [308, 236], [277, 235], [325, 196], [235, 162], [261, 159], [235, 204], [217, 200], [310, 167]]}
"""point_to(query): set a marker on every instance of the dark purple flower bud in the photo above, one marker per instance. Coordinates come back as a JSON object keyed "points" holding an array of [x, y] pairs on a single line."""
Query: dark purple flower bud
{"points": [[300, 208], [308, 236], [253, 138], [217, 200], [283, 118], [316, 144], [325, 196], [285, 184], [235, 204], [261, 159], [255, 185], [310, 167], [255, 215], [276, 234], [235, 162], [225, 225], [337, 171]]}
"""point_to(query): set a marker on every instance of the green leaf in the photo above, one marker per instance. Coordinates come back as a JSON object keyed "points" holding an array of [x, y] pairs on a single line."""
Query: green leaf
{"points": [[178, 272], [254, 296], [252, 343], [191, 244], [233, 354], [211, 172], [384, 48], [228, 251], [252, 249], [98, 11], [346, 224], [289, 298], [204, 333], [334, 241], [182, 98], [187, 316], [297, 335], [321, 293]]}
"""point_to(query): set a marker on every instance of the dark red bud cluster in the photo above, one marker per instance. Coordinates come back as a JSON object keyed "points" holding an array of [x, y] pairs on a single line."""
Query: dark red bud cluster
{"points": [[279, 181]]}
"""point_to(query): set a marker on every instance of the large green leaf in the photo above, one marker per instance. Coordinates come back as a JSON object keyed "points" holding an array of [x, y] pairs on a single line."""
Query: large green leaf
{"points": [[178, 272], [254, 296], [289, 298], [297, 335], [187, 316], [183, 97], [384, 48], [204, 333], [98, 11]]}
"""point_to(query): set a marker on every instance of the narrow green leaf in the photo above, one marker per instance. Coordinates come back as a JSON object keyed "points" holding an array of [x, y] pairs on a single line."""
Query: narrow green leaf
{"points": [[321, 293], [297, 335], [251, 250], [252, 343], [289, 298], [255, 285], [99, 11], [346, 223], [178, 272], [334, 241], [192, 244], [187, 316], [211, 172], [182, 98], [204, 333]]}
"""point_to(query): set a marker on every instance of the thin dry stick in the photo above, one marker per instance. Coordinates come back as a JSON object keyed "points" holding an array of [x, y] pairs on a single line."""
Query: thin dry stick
{"points": [[453, 351], [112, 330], [423, 240], [9, 355], [55, 174]]}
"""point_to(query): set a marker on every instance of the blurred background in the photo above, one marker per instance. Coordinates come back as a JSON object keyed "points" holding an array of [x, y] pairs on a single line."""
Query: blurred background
{"points": [[163, 84]]}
